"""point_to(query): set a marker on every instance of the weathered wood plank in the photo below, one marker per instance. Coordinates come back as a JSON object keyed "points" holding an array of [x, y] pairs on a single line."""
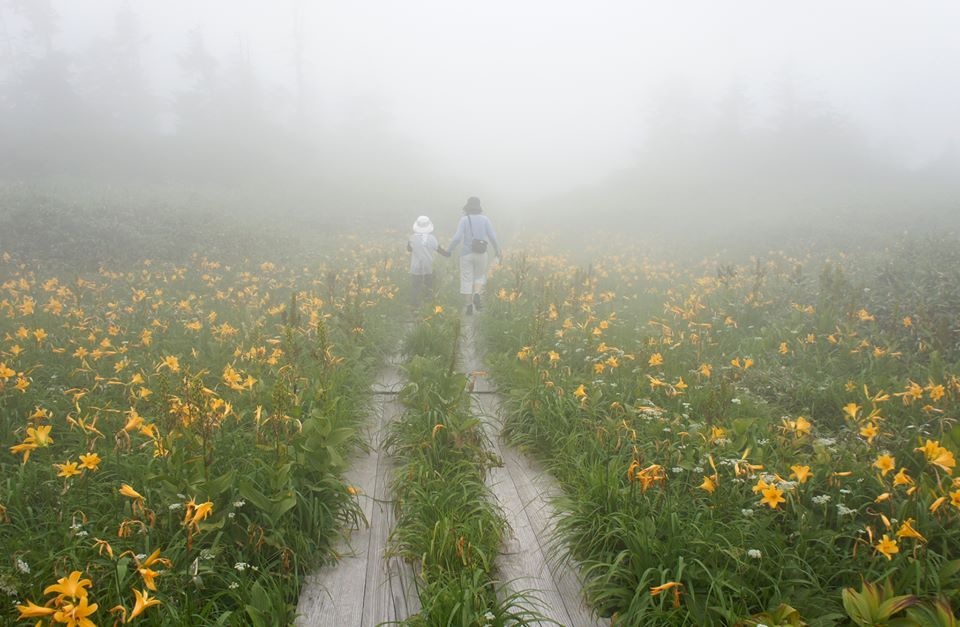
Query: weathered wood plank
{"points": [[525, 562], [362, 588]]}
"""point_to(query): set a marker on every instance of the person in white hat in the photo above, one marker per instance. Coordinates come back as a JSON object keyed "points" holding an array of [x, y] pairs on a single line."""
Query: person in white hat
{"points": [[423, 247]]}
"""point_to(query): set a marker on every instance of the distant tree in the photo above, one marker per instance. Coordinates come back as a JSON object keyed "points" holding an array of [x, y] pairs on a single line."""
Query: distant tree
{"points": [[223, 130], [43, 121]]}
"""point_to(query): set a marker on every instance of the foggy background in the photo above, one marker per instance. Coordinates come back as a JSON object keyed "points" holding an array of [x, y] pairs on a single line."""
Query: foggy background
{"points": [[687, 118]]}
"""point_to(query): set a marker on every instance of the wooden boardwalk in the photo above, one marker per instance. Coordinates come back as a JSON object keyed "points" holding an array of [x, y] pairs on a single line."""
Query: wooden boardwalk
{"points": [[365, 588], [523, 492]]}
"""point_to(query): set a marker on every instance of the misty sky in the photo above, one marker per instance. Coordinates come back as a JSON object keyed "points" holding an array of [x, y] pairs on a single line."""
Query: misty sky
{"points": [[521, 99]]}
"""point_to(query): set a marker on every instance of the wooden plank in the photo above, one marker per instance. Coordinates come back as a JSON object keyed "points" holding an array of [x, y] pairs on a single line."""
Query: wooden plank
{"points": [[361, 588], [525, 562]]}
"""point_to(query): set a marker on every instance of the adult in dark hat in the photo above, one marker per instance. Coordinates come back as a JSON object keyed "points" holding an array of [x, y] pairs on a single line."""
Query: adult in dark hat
{"points": [[476, 233]]}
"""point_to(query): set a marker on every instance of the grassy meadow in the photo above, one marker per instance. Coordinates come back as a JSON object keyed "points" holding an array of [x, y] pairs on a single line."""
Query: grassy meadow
{"points": [[764, 440], [770, 442]]}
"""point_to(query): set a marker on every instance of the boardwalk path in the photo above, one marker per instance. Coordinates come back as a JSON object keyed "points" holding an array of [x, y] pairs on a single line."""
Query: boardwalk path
{"points": [[364, 589], [523, 491]]}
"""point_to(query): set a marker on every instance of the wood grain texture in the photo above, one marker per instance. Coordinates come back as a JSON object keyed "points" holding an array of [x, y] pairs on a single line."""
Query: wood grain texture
{"points": [[364, 588], [523, 492], [367, 587]]}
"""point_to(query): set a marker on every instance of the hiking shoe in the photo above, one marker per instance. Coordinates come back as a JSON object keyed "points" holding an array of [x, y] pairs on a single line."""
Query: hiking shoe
{"points": [[469, 310], [476, 302]]}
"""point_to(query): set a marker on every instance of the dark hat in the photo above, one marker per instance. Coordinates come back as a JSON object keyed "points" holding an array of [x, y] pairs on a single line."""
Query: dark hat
{"points": [[473, 205]]}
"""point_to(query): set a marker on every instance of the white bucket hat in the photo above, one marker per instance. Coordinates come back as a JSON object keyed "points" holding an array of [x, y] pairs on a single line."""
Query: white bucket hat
{"points": [[423, 225]]}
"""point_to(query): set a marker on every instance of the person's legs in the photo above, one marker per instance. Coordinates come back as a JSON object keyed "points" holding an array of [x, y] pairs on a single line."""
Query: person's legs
{"points": [[428, 288], [416, 296], [466, 280], [479, 278]]}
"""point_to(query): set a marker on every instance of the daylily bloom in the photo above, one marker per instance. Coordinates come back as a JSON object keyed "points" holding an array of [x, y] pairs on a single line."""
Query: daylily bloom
{"points": [[196, 513], [90, 461], [171, 363], [40, 435], [143, 602], [851, 410], [887, 546], [32, 610], [869, 431], [148, 575], [655, 360], [772, 497], [129, 492], [800, 473], [901, 478], [670, 585], [75, 614], [885, 463], [938, 456], [906, 530], [708, 484], [70, 586], [68, 469], [103, 545]]}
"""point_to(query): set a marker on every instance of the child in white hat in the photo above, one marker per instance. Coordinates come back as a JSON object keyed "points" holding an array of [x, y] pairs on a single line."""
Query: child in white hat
{"points": [[423, 247]]}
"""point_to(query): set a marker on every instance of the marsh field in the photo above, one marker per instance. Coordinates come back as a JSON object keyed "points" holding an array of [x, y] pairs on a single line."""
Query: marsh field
{"points": [[760, 437]]}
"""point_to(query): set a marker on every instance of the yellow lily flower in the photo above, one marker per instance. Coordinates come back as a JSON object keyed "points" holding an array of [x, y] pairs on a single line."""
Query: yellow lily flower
{"points": [[887, 547]]}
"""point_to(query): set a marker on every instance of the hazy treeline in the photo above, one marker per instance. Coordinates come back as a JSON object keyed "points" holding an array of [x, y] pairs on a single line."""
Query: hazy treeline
{"points": [[222, 136], [96, 117], [707, 168]]}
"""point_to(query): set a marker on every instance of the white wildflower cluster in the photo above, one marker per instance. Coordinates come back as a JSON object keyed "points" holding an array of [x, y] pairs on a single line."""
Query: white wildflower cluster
{"points": [[735, 401], [825, 441], [786, 485], [233, 585], [754, 554], [843, 510], [239, 504], [241, 566], [7, 586], [23, 567], [676, 470], [747, 512], [174, 506], [763, 442], [821, 499]]}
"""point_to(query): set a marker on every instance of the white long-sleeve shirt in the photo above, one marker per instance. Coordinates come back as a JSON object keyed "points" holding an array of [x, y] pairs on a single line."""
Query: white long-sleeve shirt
{"points": [[423, 248]]}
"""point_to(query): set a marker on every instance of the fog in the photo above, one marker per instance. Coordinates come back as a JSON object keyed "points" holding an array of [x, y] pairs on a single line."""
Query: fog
{"points": [[683, 117]]}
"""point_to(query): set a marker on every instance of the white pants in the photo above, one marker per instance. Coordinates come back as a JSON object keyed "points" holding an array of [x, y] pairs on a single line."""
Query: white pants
{"points": [[473, 273]]}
